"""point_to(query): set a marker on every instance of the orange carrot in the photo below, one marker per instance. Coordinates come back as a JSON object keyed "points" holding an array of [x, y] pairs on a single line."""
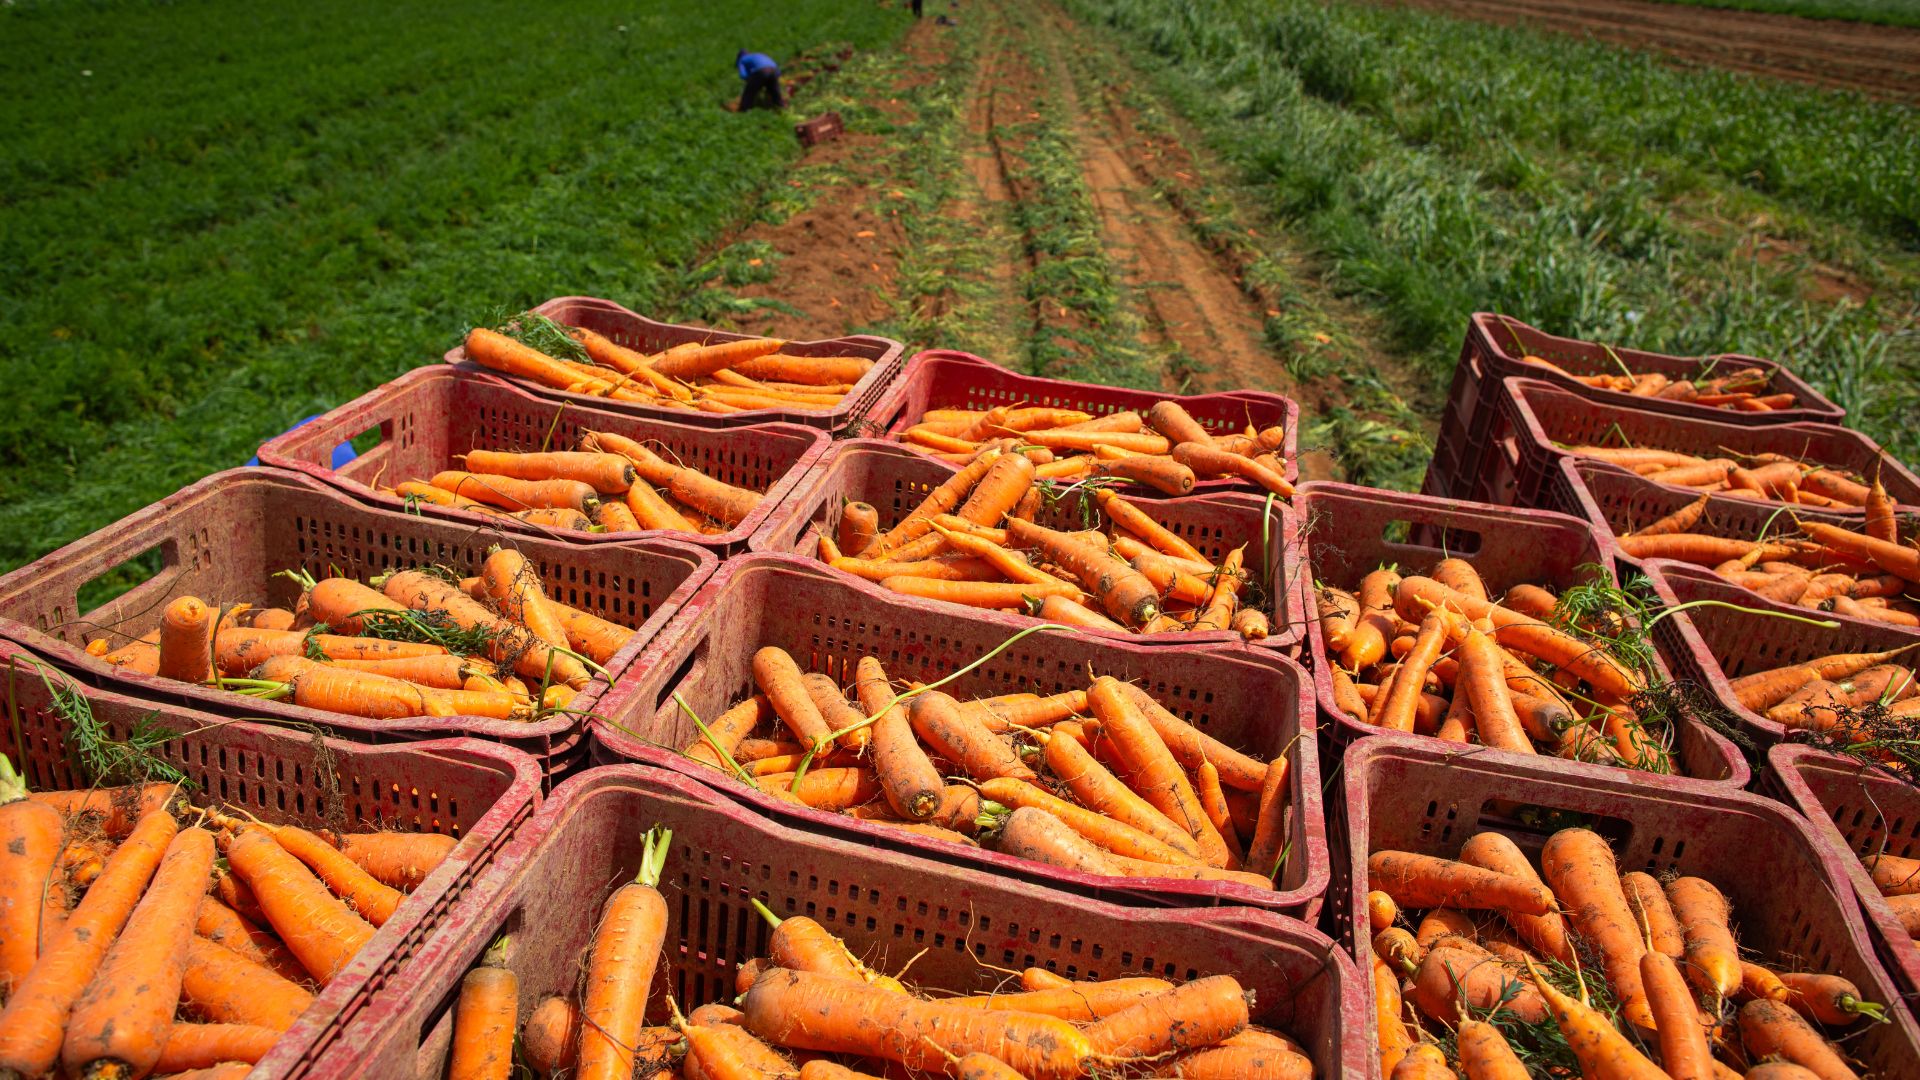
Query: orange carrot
{"points": [[1156, 773], [1579, 866], [186, 641], [1769, 1029], [513, 584], [1081, 1003], [941, 500], [1217, 613], [590, 635], [502, 353], [340, 602], [1880, 523], [825, 789], [963, 739], [550, 1039], [620, 965], [508, 493], [1137, 521], [730, 728], [1684, 1052], [707, 359], [30, 845], [909, 781], [1426, 881], [1391, 1031], [1109, 834], [1366, 639], [1712, 958], [240, 651], [373, 900], [1450, 980], [981, 594], [35, 1018], [225, 987], [227, 928], [1484, 1053], [1190, 746], [839, 715], [780, 679], [483, 1017], [1648, 902], [1124, 592], [319, 930], [859, 524], [1828, 999], [1194, 1014], [1494, 851], [120, 1022], [608, 474], [1098, 789], [206, 1046], [1603, 1052], [1032, 833]]}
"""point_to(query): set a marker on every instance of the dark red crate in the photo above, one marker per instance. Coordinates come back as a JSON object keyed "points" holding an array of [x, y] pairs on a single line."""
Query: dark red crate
{"points": [[1416, 795], [1543, 418], [1618, 502], [1713, 644], [428, 416], [635, 331], [949, 379], [1856, 810], [223, 540], [1255, 700], [1348, 530], [963, 928], [895, 480], [466, 788]]}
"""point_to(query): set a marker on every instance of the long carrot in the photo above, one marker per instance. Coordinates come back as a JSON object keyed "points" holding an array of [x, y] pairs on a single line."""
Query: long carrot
{"points": [[374, 900], [729, 729], [1217, 613], [909, 781], [707, 359], [1031, 833], [119, 1024], [1137, 521], [780, 679], [1427, 881], [508, 643], [1684, 1052], [508, 493], [608, 474], [1114, 836], [1579, 867], [1367, 637], [204, 1046], [1190, 746], [1484, 1053], [226, 927], [318, 929], [224, 987], [35, 1019], [963, 739], [1702, 912], [812, 1012], [1768, 1028], [1494, 851], [839, 715], [1390, 1030], [1603, 1052], [1758, 691], [1648, 902], [1124, 592], [943, 499], [30, 843], [1081, 1003], [620, 965], [1210, 461], [1156, 772], [1098, 789], [514, 586], [1416, 595], [1198, 1013]]}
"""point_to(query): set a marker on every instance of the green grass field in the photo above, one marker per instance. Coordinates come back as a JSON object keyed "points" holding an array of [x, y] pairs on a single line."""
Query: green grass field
{"points": [[301, 202], [1883, 12]]}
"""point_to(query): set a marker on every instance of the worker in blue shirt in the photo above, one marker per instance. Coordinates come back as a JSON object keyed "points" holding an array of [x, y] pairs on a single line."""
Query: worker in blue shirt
{"points": [[762, 75]]}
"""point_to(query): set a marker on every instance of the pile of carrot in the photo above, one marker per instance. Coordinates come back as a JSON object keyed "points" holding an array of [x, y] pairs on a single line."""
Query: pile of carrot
{"points": [[1756, 477], [729, 377], [1103, 781], [126, 951], [512, 652], [611, 484], [1897, 880], [1437, 656], [972, 541], [1740, 390], [1866, 573], [1496, 953], [1823, 695], [1166, 449], [811, 1009]]}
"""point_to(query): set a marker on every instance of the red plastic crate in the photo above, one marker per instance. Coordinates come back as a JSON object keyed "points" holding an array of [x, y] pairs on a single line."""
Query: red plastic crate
{"points": [[460, 787], [1416, 795], [895, 480], [1714, 645], [1544, 417], [949, 379], [635, 331], [1619, 502], [1347, 531], [1492, 351], [224, 539], [888, 908], [1856, 810], [428, 416], [1255, 700]]}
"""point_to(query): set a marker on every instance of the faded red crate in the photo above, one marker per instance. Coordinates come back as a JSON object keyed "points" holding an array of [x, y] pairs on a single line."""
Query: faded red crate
{"points": [[1474, 420], [1255, 700], [895, 480], [1347, 532], [949, 379], [467, 788], [1544, 418], [1856, 810], [964, 927], [431, 414], [1417, 795], [1713, 644], [635, 331], [225, 538]]}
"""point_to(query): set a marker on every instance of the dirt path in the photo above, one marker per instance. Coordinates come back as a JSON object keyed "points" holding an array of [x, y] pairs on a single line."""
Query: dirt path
{"points": [[1881, 61]]}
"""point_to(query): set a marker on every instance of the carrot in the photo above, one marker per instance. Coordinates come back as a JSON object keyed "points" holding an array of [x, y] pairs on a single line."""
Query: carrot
{"points": [[1516, 631], [1890, 556], [1459, 575], [227, 928], [730, 728], [1169, 577], [607, 474], [1190, 746], [1081, 1003], [1880, 523], [909, 781], [401, 860], [444, 671], [186, 641], [1110, 835], [812, 1012], [1124, 592], [1494, 851], [1381, 910], [502, 353], [550, 1039], [1579, 867], [1366, 640], [1032, 833], [622, 359], [1390, 1030], [620, 964], [225, 987], [654, 512], [1162, 474], [1768, 1029], [1209, 461], [373, 900], [513, 585], [1648, 902], [707, 359], [943, 499], [30, 846], [1603, 1053], [963, 739], [1001, 716], [1213, 800], [508, 493], [839, 715], [204, 1046], [229, 1070], [118, 1024], [1449, 981], [240, 651], [1484, 1053], [714, 498], [548, 517], [1268, 839], [1426, 881], [1684, 1052], [1198, 1013], [1398, 710], [1713, 960], [1156, 773], [831, 788], [779, 367], [530, 656], [1680, 521], [318, 929], [1773, 1070], [340, 603], [1217, 614], [1893, 875], [780, 679], [483, 1017], [1482, 680], [859, 524], [1828, 999], [1756, 981], [1141, 524], [981, 594], [1170, 419], [1760, 690], [1834, 486], [1099, 790]]}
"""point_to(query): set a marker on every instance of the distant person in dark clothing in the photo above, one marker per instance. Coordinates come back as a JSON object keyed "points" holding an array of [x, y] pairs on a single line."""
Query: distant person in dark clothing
{"points": [[916, 8], [762, 76]]}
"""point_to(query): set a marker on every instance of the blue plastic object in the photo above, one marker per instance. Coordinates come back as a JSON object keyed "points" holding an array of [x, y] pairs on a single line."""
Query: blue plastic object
{"points": [[341, 454]]}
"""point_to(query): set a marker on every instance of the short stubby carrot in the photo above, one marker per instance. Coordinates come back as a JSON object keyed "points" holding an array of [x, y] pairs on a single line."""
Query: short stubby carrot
{"points": [[1192, 1015], [1428, 881], [812, 1012], [186, 640], [550, 1039]]}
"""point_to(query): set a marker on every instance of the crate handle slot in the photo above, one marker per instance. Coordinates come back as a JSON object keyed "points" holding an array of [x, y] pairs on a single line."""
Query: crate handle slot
{"points": [[102, 591], [684, 672], [1431, 536]]}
